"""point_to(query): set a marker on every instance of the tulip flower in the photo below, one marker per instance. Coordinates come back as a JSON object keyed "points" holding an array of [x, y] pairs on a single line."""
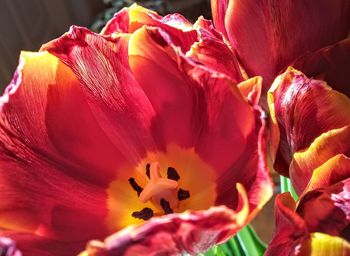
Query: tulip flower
{"points": [[269, 35], [318, 223], [313, 123], [316, 226], [133, 134]]}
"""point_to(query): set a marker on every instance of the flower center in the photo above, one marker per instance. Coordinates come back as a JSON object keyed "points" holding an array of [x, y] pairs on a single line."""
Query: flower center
{"points": [[163, 193], [175, 180]]}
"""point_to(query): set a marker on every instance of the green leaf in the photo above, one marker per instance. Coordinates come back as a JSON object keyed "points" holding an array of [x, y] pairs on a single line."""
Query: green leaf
{"points": [[250, 242], [286, 186], [245, 243]]}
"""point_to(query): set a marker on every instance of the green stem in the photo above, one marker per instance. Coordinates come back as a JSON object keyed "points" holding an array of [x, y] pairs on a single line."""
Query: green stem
{"points": [[286, 186]]}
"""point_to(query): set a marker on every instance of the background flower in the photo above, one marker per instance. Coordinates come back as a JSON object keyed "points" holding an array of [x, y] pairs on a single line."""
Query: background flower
{"points": [[269, 35]]}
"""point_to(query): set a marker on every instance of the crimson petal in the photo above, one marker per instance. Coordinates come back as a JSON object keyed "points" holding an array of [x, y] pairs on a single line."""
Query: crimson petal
{"points": [[269, 35]]}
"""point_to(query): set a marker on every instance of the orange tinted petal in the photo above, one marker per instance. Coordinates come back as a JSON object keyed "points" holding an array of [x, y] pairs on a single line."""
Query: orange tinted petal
{"points": [[303, 109], [325, 147]]}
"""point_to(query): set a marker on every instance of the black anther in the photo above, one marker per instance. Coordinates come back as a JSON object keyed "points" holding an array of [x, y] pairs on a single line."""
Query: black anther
{"points": [[144, 214], [148, 170], [135, 186], [183, 194], [172, 174], [166, 206]]}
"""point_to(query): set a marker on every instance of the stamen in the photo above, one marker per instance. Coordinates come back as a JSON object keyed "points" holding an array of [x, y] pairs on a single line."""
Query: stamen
{"points": [[172, 174], [183, 194], [166, 206], [145, 214], [148, 169], [135, 186]]}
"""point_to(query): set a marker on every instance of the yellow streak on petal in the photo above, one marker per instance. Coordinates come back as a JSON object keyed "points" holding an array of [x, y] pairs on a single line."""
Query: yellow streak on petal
{"points": [[332, 171], [324, 245]]}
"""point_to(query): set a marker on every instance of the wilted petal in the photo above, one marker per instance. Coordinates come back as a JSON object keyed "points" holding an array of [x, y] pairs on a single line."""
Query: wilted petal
{"points": [[269, 35], [212, 51], [290, 230], [303, 109], [319, 221], [202, 42], [133, 18], [333, 209], [190, 232]]}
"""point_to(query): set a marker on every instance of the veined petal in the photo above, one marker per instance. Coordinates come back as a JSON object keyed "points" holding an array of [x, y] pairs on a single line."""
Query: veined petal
{"points": [[330, 64], [333, 171], [295, 233], [202, 42], [290, 231], [333, 209], [185, 86], [260, 31], [213, 51], [299, 104], [37, 165], [143, 102], [325, 147], [133, 18], [101, 65], [323, 245], [191, 232], [213, 144]]}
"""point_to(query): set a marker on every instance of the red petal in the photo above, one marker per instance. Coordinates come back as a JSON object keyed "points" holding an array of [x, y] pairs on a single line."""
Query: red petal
{"points": [[33, 245], [299, 104], [47, 187], [213, 51], [330, 64], [333, 209], [332, 171], [133, 18], [324, 157], [101, 64], [203, 42], [191, 232], [290, 231], [269, 35]]}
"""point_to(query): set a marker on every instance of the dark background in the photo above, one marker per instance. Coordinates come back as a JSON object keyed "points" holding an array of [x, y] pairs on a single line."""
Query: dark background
{"points": [[26, 25]]}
